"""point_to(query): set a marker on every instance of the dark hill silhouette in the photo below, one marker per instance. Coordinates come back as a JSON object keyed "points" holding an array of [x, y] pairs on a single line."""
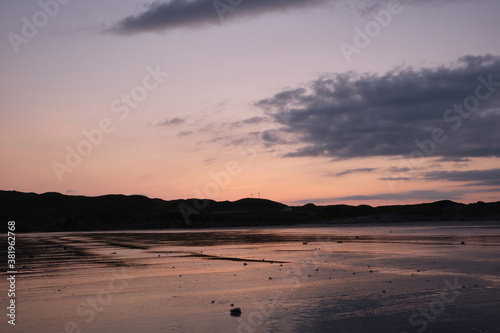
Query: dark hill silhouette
{"points": [[57, 212]]}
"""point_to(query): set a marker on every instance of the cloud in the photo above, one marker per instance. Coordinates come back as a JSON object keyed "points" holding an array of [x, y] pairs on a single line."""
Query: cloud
{"points": [[367, 7], [209, 160], [347, 172], [159, 16], [249, 121], [488, 190], [184, 133], [405, 110], [394, 179], [490, 177], [254, 120], [162, 16], [427, 195], [398, 169], [456, 159], [421, 195], [174, 121]]}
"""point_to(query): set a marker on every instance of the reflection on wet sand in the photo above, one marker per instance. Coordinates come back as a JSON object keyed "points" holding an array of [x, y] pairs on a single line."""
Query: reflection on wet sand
{"points": [[390, 278]]}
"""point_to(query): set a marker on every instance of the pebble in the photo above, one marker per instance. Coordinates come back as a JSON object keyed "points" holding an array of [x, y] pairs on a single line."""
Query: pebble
{"points": [[235, 312]]}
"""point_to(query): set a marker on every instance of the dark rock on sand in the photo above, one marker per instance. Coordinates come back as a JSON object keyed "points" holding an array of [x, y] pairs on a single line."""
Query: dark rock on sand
{"points": [[236, 312]]}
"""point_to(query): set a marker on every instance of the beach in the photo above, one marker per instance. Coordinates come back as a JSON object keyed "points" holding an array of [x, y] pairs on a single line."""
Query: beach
{"points": [[419, 277]]}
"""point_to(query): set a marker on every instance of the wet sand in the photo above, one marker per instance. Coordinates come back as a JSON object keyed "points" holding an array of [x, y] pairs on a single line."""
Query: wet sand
{"points": [[388, 278]]}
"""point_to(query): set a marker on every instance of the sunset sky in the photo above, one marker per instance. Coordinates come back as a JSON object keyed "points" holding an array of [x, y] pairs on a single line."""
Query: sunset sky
{"points": [[323, 101]]}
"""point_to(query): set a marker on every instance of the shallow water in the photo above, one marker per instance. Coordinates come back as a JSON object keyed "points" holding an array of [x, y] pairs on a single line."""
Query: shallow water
{"points": [[388, 278]]}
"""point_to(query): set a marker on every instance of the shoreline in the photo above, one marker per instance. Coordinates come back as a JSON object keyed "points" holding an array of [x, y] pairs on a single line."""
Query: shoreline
{"points": [[335, 224]]}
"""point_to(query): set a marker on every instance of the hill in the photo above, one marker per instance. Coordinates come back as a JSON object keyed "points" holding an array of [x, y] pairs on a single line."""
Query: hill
{"points": [[57, 212]]}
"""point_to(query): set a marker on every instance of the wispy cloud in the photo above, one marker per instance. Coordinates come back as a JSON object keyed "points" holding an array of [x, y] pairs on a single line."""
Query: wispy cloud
{"points": [[167, 15], [160, 16], [456, 159], [420, 195], [489, 190], [184, 133], [350, 171], [489, 177], [426, 195], [395, 178], [170, 122], [249, 121]]}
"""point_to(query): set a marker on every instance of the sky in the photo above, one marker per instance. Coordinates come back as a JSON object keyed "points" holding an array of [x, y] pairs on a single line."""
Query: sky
{"points": [[297, 101]]}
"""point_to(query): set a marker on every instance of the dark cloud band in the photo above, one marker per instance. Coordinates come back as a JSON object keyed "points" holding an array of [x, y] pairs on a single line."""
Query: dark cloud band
{"points": [[489, 177], [450, 112]]}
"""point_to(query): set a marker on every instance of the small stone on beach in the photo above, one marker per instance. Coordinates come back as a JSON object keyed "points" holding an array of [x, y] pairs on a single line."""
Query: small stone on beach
{"points": [[235, 312]]}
